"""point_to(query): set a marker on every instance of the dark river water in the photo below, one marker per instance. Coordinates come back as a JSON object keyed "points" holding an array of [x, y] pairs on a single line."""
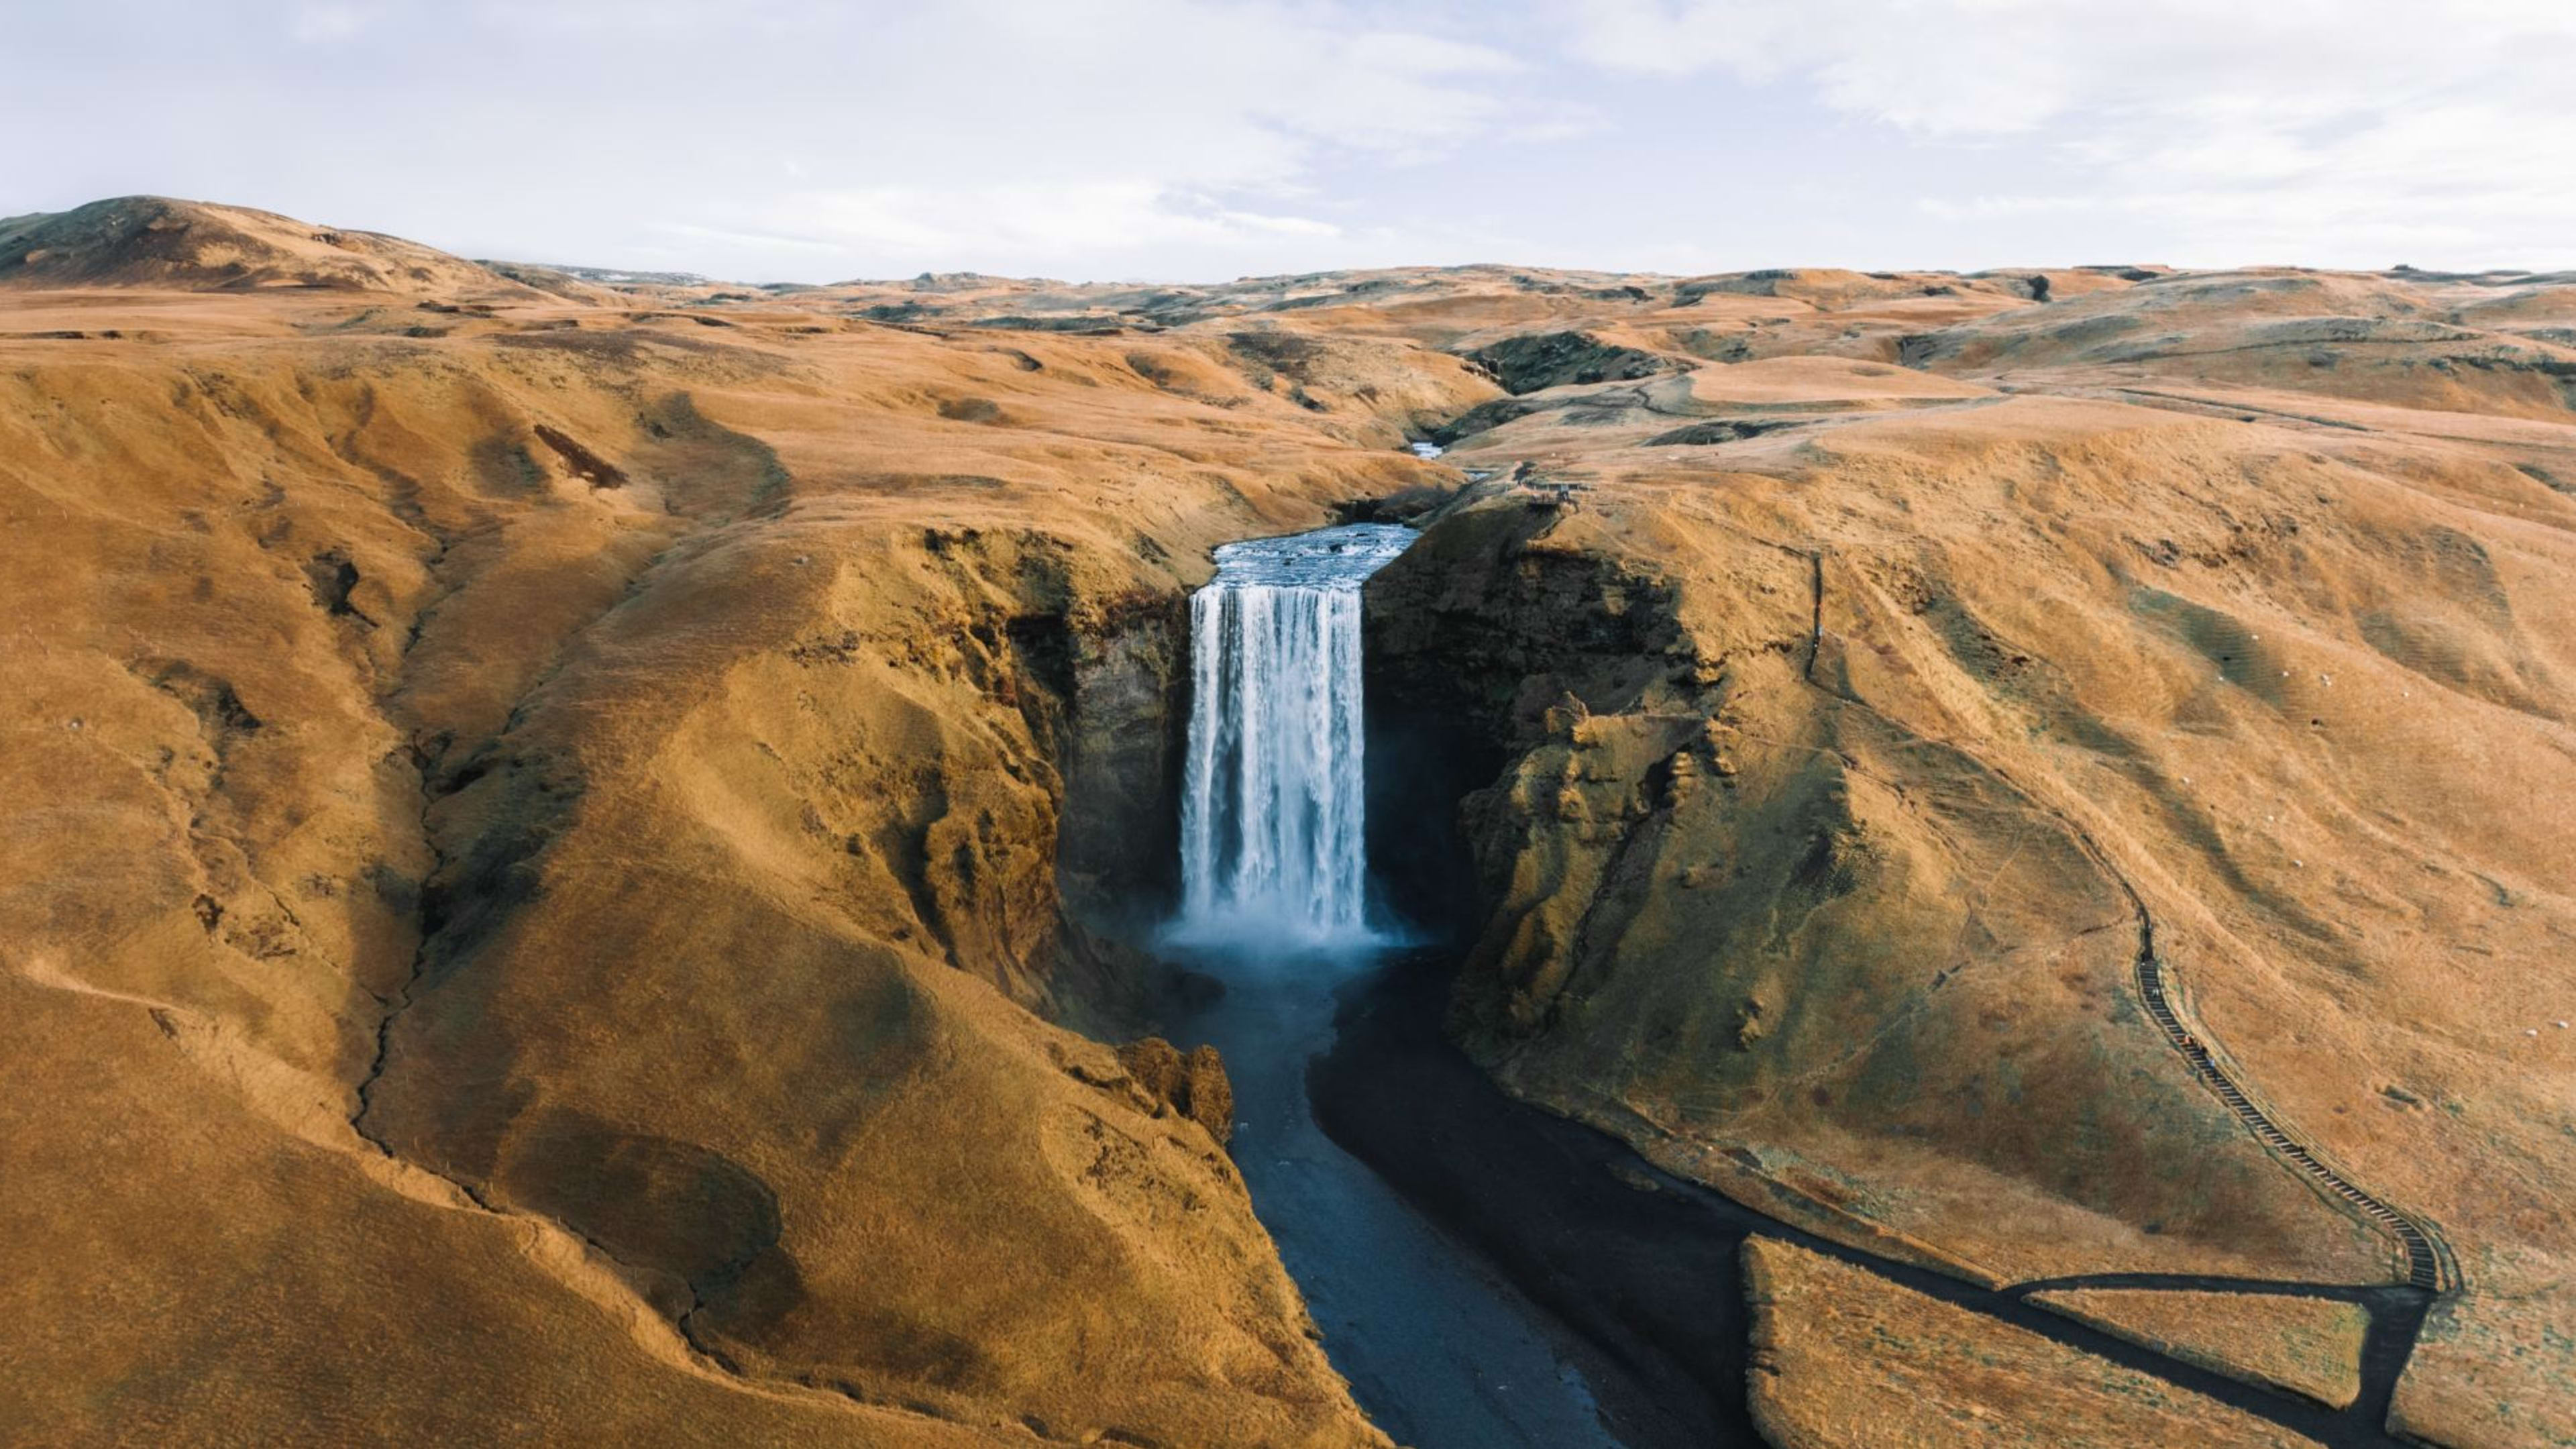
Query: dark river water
{"points": [[1438, 1349]]}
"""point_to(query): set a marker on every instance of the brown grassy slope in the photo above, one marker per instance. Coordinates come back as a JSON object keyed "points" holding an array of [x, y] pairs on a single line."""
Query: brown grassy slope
{"points": [[1849, 935], [1844, 1360], [2310, 1346], [154, 241], [665, 727], [706, 674], [1734, 909], [2364, 338]]}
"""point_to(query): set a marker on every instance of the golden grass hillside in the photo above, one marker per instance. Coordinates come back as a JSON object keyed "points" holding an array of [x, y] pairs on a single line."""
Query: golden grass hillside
{"points": [[533, 859], [566, 844]]}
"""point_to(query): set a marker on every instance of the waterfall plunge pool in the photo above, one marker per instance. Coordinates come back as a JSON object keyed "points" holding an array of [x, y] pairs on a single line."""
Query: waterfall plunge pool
{"points": [[1277, 905]]}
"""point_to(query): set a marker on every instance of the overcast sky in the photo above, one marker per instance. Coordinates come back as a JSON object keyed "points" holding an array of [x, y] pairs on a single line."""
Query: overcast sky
{"points": [[793, 140]]}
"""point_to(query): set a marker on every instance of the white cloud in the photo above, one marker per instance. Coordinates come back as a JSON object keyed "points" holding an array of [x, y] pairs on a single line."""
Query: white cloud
{"points": [[322, 24], [2327, 129], [998, 134], [1011, 135], [1084, 221], [830, 138]]}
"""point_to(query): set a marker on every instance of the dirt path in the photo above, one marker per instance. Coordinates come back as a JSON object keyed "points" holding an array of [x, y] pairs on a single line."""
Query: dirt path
{"points": [[2431, 1267], [2429, 1264]]}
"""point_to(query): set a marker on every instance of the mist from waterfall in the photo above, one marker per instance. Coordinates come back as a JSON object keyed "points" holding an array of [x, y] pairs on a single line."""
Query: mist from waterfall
{"points": [[1273, 824]]}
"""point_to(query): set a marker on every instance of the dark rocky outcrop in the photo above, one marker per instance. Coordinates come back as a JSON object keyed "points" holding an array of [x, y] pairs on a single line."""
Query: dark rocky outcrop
{"points": [[1481, 417], [1726, 431], [1553, 359], [1193, 1085]]}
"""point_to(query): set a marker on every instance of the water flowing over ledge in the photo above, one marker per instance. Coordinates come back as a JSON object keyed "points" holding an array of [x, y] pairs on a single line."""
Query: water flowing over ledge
{"points": [[1273, 831]]}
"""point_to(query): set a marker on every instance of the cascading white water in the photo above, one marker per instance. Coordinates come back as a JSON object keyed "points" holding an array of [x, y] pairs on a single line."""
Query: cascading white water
{"points": [[1273, 826]]}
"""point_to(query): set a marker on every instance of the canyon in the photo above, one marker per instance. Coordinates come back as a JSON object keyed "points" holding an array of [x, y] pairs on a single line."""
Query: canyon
{"points": [[588, 862]]}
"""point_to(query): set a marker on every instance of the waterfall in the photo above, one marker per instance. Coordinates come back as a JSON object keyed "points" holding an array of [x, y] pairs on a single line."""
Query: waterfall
{"points": [[1273, 823]]}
